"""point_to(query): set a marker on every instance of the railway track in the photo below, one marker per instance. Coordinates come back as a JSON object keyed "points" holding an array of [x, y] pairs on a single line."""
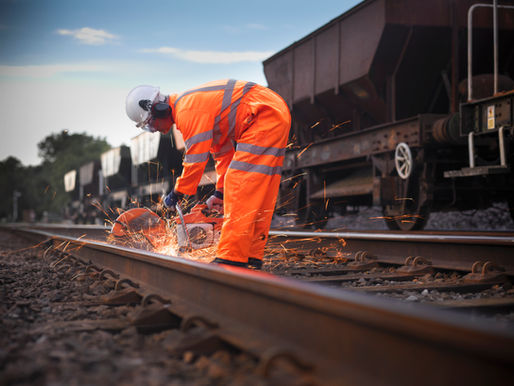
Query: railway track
{"points": [[326, 324], [470, 271]]}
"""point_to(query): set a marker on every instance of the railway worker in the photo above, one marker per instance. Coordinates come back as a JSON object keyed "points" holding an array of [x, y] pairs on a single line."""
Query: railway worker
{"points": [[245, 127]]}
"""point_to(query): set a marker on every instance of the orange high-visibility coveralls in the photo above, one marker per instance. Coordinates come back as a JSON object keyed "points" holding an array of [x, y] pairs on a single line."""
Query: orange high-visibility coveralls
{"points": [[245, 127]]}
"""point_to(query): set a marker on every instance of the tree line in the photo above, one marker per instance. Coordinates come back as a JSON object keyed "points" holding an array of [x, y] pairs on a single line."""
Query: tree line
{"points": [[40, 189]]}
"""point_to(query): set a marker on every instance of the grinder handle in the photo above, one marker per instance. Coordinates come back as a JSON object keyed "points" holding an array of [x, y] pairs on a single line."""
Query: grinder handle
{"points": [[184, 227]]}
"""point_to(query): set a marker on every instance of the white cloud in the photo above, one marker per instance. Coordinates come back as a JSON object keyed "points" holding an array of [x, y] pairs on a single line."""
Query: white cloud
{"points": [[89, 36], [257, 26], [212, 56], [47, 71]]}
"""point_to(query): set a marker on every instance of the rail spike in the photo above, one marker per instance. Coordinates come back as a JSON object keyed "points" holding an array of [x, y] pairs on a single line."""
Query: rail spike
{"points": [[188, 323], [416, 264], [273, 355], [119, 284], [485, 272], [147, 299], [110, 273], [363, 260], [93, 268]]}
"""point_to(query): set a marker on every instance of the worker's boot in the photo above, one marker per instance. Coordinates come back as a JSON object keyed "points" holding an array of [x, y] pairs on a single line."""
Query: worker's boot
{"points": [[217, 260], [254, 263]]}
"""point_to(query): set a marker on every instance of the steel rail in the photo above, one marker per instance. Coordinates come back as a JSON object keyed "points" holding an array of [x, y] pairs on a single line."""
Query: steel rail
{"points": [[505, 238], [473, 238], [347, 338], [445, 250]]}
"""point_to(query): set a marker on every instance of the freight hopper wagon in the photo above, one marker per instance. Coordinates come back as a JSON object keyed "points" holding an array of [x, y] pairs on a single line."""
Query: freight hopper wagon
{"points": [[384, 114]]}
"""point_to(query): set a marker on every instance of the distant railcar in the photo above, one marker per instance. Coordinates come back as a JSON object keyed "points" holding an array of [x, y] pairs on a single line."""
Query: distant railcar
{"points": [[71, 186], [156, 164], [384, 114], [116, 182], [82, 185], [157, 159], [125, 177]]}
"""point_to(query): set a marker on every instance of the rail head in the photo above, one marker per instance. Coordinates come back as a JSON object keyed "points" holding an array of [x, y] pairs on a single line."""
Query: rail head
{"points": [[327, 327]]}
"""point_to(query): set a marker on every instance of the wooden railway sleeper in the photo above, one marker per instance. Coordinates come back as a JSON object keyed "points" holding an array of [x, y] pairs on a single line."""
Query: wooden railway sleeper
{"points": [[485, 272], [417, 264], [153, 317], [122, 297]]}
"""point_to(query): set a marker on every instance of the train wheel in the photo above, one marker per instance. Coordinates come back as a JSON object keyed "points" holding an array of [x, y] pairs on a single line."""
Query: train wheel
{"points": [[405, 217], [408, 212]]}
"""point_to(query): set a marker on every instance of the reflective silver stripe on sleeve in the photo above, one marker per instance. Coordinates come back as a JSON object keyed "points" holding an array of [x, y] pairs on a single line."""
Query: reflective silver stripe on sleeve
{"points": [[196, 158], [227, 95], [233, 110], [248, 167], [260, 150], [201, 89], [227, 146], [201, 137], [227, 98]]}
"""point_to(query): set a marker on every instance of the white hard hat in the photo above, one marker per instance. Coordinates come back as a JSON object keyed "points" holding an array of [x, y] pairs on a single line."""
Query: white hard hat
{"points": [[135, 105]]}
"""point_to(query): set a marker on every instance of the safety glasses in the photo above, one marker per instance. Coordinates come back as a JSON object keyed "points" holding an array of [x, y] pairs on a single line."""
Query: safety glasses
{"points": [[145, 125]]}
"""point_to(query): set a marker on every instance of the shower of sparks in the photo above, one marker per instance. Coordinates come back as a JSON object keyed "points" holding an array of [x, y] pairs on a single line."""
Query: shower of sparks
{"points": [[294, 177], [403, 199], [303, 151], [338, 125], [305, 251]]}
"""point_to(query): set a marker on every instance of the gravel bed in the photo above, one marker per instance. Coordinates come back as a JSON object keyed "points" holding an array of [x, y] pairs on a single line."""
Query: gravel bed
{"points": [[495, 218], [53, 332]]}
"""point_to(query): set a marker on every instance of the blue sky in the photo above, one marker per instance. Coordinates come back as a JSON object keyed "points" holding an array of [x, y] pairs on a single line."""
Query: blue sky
{"points": [[68, 64]]}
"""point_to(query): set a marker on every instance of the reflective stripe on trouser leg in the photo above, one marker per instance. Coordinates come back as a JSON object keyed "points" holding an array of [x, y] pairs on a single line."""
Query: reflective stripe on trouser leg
{"points": [[263, 221], [247, 220], [251, 192], [263, 169]]}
